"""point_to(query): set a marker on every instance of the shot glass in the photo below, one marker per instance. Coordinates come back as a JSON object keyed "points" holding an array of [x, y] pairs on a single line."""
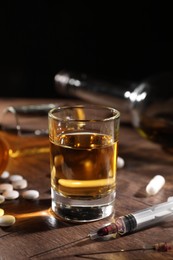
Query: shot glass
{"points": [[83, 161]]}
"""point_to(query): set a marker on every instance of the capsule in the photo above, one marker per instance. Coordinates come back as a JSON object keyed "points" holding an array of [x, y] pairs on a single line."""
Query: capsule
{"points": [[155, 185]]}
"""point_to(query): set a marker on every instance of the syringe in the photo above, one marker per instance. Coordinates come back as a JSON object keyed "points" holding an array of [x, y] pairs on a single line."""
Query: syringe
{"points": [[135, 221], [128, 223]]}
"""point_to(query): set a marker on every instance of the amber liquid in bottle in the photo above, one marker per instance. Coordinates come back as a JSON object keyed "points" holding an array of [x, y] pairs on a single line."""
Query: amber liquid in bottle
{"points": [[4, 155], [158, 130], [152, 116]]}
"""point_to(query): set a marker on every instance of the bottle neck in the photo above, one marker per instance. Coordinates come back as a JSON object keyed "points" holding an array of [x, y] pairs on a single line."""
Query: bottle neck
{"points": [[83, 86]]}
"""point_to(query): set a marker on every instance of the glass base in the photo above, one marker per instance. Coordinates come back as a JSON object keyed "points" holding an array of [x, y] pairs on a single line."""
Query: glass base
{"points": [[84, 210]]}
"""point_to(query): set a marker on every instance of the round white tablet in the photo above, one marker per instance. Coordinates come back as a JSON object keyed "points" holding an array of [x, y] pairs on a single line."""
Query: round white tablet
{"points": [[2, 199], [15, 177], [120, 162], [20, 184], [30, 194], [5, 186], [1, 212], [4, 175], [11, 194], [7, 220]]}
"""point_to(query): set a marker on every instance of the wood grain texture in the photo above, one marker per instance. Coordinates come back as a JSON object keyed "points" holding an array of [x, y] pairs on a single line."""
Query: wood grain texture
{"points": [[37, 234]]}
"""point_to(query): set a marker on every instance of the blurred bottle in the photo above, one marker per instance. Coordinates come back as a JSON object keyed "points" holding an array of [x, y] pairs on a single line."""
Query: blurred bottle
{"points": [[4, 155], [149, 102], [23, 132]]}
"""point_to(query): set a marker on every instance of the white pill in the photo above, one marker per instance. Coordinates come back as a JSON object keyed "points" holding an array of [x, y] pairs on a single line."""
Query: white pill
{"points": [[5, 175], [15, 177], [170, 199], [120, 162], [7, 220], [1, 212], [20, 184], [2, 199], [30, 194], [11, 194], [5, 186], [155, 185]]}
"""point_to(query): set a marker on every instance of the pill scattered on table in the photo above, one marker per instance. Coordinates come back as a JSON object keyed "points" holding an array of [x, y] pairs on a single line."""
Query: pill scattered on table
{"points": [[155, 185], [1, 212], [120, 162], [4, 175], [5, 186], [8, 191], [15, 177], [11, 194], [20, 184], [2, 199], [7, 220], [30, 194]]}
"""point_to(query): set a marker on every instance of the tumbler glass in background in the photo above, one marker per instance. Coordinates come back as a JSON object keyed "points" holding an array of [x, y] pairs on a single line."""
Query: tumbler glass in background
{"points": [[83, 156]]}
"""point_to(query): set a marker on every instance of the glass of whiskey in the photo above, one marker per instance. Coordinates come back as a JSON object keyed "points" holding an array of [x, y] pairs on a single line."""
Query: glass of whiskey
{"points": [[83, 157]]}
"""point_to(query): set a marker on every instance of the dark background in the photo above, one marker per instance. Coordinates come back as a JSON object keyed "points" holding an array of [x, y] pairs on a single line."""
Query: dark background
{"points": [[121, 40]]}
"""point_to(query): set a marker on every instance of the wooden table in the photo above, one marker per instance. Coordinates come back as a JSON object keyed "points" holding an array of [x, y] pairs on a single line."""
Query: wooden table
{"points": [[37, 234]]}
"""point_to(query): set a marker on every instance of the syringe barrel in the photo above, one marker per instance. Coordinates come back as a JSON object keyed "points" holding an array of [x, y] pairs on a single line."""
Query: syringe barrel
{"points": [[140, 219], [154, 214], [143, 218]]}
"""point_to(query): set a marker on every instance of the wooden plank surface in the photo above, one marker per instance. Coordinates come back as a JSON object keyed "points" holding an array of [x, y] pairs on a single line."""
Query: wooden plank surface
{"points": [[37, 234]]}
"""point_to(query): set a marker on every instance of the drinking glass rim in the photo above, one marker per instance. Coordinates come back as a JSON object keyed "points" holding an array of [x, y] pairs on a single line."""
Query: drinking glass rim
{"points": [[88, 106]]}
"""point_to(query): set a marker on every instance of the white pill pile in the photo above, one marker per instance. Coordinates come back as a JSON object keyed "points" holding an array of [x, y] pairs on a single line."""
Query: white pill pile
{"points": [[10, 191], [155, 185]]}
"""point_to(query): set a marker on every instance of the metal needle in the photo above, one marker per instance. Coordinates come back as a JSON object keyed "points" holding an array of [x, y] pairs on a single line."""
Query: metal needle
{"points": [[159, 247], [64, 246]]}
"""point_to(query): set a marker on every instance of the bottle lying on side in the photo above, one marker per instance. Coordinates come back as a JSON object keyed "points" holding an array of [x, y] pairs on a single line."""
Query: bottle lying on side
{"points": [[150, 102]]}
